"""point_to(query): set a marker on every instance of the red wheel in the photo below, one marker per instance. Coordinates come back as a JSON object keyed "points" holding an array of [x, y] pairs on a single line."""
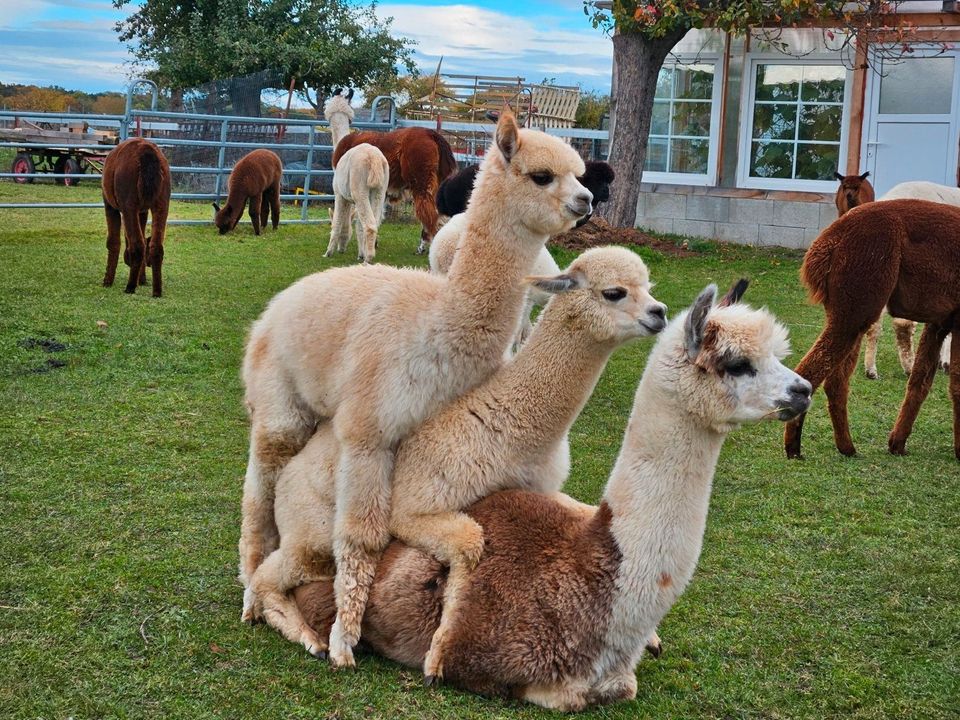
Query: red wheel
{"points": [[22, 165], [69, 166]]}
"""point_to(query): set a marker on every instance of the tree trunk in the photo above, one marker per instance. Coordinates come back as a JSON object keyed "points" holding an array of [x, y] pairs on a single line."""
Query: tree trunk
{"points": [[637, 62]]}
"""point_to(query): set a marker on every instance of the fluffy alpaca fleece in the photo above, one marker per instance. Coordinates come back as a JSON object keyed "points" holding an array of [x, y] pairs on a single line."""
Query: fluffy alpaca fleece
{"points": [[408, 343], [256, 177], [360, 184], [509, 432], [136, 181], [854, 190], [904, 329], [902, 254], [612, 574]]}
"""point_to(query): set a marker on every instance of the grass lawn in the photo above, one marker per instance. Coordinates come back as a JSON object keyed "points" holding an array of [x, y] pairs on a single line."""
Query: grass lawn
{"points": [[827, 587]]}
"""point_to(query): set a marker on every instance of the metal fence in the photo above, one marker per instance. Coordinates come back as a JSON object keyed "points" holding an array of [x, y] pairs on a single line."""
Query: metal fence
{"points": [[202, 149]]}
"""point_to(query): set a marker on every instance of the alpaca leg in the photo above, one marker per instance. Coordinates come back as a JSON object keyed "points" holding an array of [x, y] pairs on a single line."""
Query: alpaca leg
{"points": [[425, 208], [345, 238], [955, 386], [113, 243], [255, 213], [340, 225], [870, 354], [837, 388], [569, 696], [275, 205], [525, 327], [918, 386], [135, 254], [613, 687], [654, 645], [367, 225], [143, 231], [155, 250], [904, 329], [945, 353], [265, 207]]}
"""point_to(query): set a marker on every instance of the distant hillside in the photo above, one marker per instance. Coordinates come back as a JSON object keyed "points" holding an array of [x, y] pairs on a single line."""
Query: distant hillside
{"points": [[56, 99]]}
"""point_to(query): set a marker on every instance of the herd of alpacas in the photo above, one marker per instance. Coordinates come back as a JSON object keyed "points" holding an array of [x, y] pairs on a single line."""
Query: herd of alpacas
{"points": [[408, 449]]}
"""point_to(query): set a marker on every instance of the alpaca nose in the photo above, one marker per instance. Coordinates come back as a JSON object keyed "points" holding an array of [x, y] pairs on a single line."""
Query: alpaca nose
{"points": [[801, 388], [656, 319], [582, 202], [660, 312]]}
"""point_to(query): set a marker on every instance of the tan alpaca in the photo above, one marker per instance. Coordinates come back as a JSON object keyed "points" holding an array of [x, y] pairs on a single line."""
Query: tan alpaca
{"points": [[509, 432], [559, 609], [405, 344], [359, 185]]}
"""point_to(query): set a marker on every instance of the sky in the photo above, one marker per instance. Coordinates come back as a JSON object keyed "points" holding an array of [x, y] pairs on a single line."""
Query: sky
{"points": [[72, 43]]}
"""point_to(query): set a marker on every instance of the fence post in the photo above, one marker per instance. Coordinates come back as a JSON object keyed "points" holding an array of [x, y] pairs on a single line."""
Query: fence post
{"points": [[308, 176], [221, 156]]}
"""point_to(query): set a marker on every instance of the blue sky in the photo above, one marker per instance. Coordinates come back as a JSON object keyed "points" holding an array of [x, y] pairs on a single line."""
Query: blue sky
{"points": [[72, 43]]}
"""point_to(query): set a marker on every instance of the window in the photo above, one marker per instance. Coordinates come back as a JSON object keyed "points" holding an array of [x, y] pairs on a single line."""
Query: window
{"points": [[795, 127], [682, 143]]}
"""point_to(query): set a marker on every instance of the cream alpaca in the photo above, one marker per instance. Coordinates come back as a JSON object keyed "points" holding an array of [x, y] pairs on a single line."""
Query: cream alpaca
{"points": [[614, 575], [360, 182], [510, 432], [406, 344], [904, 329]]}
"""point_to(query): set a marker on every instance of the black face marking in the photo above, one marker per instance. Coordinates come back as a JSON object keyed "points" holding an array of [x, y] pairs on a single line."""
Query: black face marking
{"points": [[542, 177], [614, 294], [738, 367]]}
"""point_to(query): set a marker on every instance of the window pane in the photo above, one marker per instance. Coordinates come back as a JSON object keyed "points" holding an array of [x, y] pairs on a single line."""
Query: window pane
{"points": [[820, 122], [817, 162], [664, 83], [917, 86], [656, 156], [689, 156], [823, 83], [778, 82], [691, 118], [695, 81], [660, 121], [775, 122], [771, 160]]}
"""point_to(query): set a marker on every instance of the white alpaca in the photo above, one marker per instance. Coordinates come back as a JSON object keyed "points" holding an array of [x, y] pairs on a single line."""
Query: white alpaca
{"points": [[444, 247], [561, 604], [405, 344], [360, 182], [509, 432], [904, 329]]}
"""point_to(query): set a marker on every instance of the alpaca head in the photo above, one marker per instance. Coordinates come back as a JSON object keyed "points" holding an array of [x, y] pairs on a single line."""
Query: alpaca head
{"points": [[606, 293], [854, 190], [338, 104], [722, 364], [226, 219], [530, 178]]}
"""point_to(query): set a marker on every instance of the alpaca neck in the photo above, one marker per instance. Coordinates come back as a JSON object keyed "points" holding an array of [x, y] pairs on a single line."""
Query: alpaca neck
{"points": [[339, 128]]}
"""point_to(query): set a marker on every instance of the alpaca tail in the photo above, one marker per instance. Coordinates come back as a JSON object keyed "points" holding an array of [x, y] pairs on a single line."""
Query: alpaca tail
{"points": [[377, 173], [447, 164], [151, 174], [815, 270]]}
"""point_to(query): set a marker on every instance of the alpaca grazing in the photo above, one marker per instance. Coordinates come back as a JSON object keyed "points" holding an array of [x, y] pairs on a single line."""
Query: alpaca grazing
{"points": [[255, 178], [360, 184], [902, 254], [408, 343], [559, 608], [509, 432], [136, 181], [419, 159], [854, 190], [904, 329]]}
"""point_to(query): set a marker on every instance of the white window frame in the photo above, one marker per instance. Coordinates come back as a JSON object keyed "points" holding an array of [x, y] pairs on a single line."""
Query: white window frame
{"points": [[710, 177], [744, 180]]}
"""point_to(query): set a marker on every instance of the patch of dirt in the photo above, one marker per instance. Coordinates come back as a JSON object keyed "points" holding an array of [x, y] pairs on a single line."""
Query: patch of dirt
{"points": [[598, 231], [49, 345]]}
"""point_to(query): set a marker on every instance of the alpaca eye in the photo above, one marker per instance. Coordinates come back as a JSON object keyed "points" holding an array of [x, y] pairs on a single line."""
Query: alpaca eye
{"points": [[614, 294], [740, 367], [542, 178]]}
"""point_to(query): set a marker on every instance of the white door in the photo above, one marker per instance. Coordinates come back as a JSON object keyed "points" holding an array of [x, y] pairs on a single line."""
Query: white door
{"points": [[912, 132]]}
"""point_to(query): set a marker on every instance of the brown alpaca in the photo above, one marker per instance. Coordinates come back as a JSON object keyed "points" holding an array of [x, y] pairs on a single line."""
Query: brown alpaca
{"points": [[255, 177], [136, 180], [854, 190], [420, 159], [902, 254]]}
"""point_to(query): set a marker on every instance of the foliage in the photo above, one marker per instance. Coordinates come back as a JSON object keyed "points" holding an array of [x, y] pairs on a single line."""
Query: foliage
{"points": [[56, 99], [407, 90], [593, 106]]}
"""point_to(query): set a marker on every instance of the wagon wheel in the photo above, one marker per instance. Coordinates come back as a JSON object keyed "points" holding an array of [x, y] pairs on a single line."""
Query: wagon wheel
{"points": [[23, 165], [69, 166]]}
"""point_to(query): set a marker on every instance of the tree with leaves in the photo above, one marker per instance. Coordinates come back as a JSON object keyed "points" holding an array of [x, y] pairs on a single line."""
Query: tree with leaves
{"points": [[644, 33], [316, 44]]}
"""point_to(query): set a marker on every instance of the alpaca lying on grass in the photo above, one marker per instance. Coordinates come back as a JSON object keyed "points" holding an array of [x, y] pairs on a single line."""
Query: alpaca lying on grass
{"points": [[560, 606], [360, 185], [509, 432], [136, 181], [408, 343], [255, 178]]}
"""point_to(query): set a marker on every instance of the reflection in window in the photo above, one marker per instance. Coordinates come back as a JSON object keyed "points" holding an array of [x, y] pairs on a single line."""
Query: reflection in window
{"points": [[917, 86], [797, 121], [680, 126]]}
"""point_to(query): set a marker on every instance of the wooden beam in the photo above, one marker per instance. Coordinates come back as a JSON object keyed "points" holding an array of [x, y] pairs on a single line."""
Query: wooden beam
{"points": [[854, 137]]}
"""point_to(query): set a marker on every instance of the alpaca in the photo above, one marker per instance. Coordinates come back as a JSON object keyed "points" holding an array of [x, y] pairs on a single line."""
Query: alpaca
{"points": [[256, 177], [560, 606], [136, 180], [509, 432], [904, 329], [854, 190], [359, 184], [408, 343], [420, 159], [902, 254]]}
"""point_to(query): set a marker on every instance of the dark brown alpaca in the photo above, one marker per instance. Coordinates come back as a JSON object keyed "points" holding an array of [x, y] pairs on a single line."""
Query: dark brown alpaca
{"points": [[420, 159], [136, 180], [854, 190], [903, 254], [255, 177]]}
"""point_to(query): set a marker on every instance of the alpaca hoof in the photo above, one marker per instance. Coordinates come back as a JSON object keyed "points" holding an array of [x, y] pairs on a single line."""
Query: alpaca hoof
{"points": [[250, 615], [872, 375], [847, 450], [655, 648], [793, 453], [897, 447], [130, 290], [433, 667], [340, 651], [431, 681], [313, 645], [108, 283]]}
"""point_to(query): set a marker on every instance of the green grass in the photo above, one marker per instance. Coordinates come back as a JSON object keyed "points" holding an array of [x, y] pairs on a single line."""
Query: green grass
{"points": [[827, 587]]}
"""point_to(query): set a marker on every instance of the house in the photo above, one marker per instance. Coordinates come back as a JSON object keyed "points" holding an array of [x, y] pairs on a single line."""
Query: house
{"points": [[747, 132]]}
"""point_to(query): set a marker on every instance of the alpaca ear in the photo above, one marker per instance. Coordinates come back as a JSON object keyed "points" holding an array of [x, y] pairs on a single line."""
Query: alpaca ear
{"points": [[838, 176], [216, 207], [508, 134], [556, 284], [865, 175], [735, 293], [337, 91], [696, 322], [350, 94]]}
